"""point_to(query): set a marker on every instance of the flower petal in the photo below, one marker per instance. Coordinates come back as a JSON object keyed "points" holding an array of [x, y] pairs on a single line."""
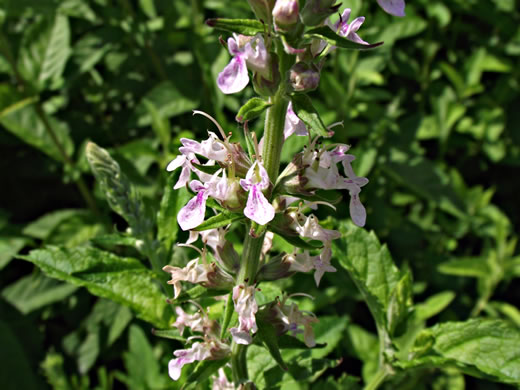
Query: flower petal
{"points": [[192, 215], [233, 77], [393, 7], [258, 209], [357, 210]]}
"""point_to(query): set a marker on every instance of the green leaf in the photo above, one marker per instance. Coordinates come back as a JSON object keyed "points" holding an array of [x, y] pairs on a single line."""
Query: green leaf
{"points": [[45, 51], [171, 203], [491, 346], [219, 220], [35, 291], [167, 100], [111, 240], [252, 109], [144, 371], [268, 334], [434, 305], [209, 169], [399, 303], [172, 334], [203, 371], [123, 280], [160, 125], [17, 371], [240, 26], [476, 267], [198, 292], [304, 109], [9, 247], [328, 35], [370, 266], [43, 226], [19, 117]]}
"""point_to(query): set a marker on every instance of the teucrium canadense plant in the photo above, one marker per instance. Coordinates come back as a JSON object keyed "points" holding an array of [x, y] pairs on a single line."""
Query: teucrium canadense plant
{"points": [[225, 186]]}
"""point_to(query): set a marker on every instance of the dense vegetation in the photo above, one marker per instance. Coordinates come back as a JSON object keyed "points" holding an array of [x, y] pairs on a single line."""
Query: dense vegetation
{"points": [[433, 114]]}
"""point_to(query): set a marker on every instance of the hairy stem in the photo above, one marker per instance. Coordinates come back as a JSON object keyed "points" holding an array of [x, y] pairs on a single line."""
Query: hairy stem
{"points": [[273, 141]]}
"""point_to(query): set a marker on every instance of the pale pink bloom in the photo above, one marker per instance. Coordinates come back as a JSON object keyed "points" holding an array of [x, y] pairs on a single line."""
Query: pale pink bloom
{"points": [[313, 230], [193, 321], [293, 124], [197, 352], [192, 215], [221, 382], [212, 148], [293, 318], [246, 308], [393, 7], [348, 30], [193, 272], [209, 349], [247, 52], [183, 161], [303, 262], [257, 208], [211, 237]]}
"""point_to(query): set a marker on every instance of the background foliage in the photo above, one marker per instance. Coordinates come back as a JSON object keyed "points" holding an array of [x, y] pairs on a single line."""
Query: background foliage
{"points": [[433, 115]]}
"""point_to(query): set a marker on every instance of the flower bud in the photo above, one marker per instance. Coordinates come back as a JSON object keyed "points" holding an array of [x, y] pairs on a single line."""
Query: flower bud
{"points": [[286, 14], [262, 9], [267, 86], [275, 269], [229, 257], [218, 278], [235, 196], [304, 77], [316, 11]]}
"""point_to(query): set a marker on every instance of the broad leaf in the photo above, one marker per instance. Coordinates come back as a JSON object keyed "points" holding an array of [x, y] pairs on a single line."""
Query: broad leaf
{"points": [[371, 267], [240, 26], [123, 280]]}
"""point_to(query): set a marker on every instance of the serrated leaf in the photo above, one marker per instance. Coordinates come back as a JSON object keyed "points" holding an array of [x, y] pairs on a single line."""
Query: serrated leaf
{"points": [[35, 291], [252, 109], [399, 303], [304, 109], [121, 279], [491, 346], [203, 371], [328, 35], [114, 239], [45, 51], [240, 26], [370, 266], [219, 220]]}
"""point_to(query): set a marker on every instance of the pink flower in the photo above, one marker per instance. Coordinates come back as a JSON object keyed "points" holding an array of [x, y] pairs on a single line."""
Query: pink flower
{"points": [[348, 30], [246, 307], [257, 208], [197, 352], [303, 262], [393, 7], [292, 318], [193, 273], [192, 215], [247, 52], [293, 124]]}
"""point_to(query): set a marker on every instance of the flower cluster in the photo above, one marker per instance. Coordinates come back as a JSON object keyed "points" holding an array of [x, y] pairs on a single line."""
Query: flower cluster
{"points": [[230, 183]]}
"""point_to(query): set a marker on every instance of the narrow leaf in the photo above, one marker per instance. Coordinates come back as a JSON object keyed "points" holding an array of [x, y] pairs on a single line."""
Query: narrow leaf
{"points": [[328, 35], [252, 109], [172, 334], [267, 333], [240, 26], [203, 371], [171, 202], [222, 219]]}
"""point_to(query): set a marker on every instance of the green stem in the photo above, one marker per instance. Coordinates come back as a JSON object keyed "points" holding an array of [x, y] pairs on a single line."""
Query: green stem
{"points": [[377, 380], [273, 141], [273, 135]]}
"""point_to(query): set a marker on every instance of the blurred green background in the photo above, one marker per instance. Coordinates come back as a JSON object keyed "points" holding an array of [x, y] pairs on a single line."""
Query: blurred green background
{"points": [[433, 116]]}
